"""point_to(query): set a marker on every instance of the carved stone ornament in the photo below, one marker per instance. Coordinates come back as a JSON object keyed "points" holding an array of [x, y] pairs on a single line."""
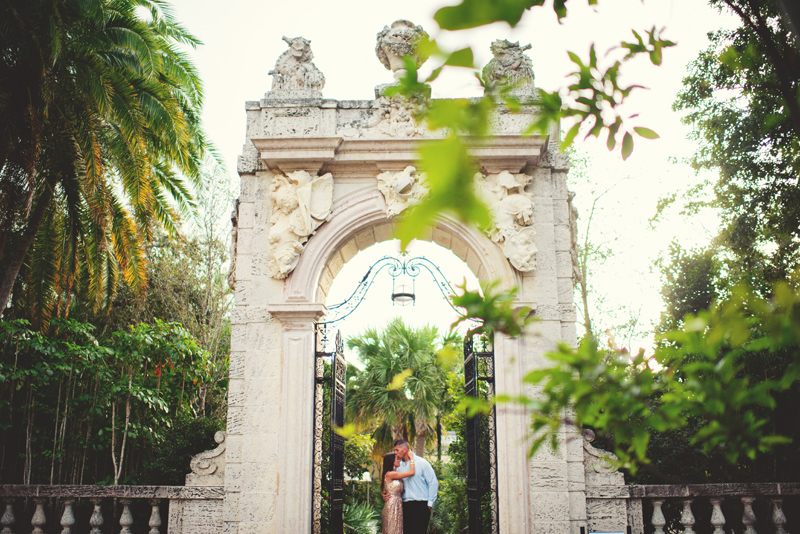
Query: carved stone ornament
{"points": [[208, 468], [554, 157], [573, 237], [397, 41], [396, 118], [512, 216], [510, 66], [599, 465], [300, 204], [402, 189], [294, 75]]}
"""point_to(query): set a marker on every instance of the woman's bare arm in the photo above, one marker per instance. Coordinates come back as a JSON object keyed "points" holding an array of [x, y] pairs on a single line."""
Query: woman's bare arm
{"points": [[396, 475]]}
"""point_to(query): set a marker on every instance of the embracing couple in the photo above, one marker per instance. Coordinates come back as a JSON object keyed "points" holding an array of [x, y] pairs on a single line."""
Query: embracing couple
{"points": [[410, 488]]}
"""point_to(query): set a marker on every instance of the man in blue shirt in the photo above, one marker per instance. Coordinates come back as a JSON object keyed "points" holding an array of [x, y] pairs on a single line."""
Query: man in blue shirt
{"points": [[419, 491]]}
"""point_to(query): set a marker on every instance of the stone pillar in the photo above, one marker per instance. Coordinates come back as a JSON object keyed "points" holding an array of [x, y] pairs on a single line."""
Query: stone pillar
{"points": [[296, 416]]}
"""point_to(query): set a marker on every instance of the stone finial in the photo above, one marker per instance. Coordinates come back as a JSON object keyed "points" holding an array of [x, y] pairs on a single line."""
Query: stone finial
{"points": [[397, 41], [294, 75], [300, 204], [208, 467], [402, 189], [512, 216], [509, 67]]}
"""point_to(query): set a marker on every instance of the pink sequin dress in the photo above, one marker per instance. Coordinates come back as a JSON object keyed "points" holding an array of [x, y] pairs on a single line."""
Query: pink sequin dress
{"points": [[393, 510]]}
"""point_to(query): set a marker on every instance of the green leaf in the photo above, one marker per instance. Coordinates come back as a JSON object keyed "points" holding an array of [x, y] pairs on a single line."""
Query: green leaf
{"points": [[647, 133], [627, 145], [461, 58], [474, 13], [399, 380]]}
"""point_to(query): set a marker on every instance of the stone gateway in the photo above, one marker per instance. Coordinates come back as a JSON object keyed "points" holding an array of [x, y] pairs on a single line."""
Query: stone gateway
{"points": [[322, 179]]}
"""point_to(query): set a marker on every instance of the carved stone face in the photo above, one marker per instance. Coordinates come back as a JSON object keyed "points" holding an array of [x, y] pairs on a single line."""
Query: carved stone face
{"points": [[286, 199], [520, 208]]}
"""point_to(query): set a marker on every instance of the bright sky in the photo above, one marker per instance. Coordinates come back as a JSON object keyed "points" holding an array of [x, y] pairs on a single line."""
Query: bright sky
{"points": [[243, 41]]}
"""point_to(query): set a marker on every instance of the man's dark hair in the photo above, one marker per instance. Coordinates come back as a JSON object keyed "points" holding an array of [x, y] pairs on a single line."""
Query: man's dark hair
{"points": [[402, 443]]}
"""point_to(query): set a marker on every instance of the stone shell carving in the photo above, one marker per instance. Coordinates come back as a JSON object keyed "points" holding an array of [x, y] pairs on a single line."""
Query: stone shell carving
{"points": [[208, 467], [402, 189], [397, 41], [300, 204], [512, 214], [294, 75], [510, 66]]}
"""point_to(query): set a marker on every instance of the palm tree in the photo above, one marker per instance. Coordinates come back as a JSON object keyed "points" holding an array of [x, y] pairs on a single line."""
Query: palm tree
{"points": [[397, 409], [100, 141]]}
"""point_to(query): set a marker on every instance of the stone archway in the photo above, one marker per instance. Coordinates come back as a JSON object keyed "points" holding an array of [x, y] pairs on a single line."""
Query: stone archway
{"points": [[329, 163]]}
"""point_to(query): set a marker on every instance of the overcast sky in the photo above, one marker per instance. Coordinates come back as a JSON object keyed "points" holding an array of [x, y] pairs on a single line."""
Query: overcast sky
{"points": [[242, 41]]}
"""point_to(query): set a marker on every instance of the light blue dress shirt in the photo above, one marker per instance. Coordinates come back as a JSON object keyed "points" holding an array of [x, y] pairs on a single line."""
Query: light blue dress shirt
{"points": [[422, 485]]}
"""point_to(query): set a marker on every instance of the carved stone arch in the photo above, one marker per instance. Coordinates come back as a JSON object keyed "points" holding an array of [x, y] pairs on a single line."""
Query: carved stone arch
{"points": [[361, 221]]}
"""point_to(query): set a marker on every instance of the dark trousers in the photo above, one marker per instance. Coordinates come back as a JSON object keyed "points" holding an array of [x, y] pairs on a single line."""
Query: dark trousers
{"points": [[416, 516]]}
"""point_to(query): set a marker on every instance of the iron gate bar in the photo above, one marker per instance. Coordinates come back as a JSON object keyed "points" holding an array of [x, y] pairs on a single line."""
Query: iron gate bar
{"points": [[338, 383], [479, 367]]}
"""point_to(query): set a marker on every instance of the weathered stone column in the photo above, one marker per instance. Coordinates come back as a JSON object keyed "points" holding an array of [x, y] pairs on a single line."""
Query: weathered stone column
{"points": [[295, 416]]}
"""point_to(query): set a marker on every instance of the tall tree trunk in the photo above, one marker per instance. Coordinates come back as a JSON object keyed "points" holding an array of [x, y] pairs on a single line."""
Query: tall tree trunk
{"points": [[419, 443], [55, 433], [118, 465], [28, 466], [18, 252]]}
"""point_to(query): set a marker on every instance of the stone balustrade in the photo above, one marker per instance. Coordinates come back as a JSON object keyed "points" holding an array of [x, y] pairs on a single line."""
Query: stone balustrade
{"points": [[712, 508], [95, 508]]}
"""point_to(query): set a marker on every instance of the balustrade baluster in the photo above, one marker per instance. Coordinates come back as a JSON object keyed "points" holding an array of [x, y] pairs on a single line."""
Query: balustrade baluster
{"points": [[717, 518], [748, 516], [38, 520], [687, 517], [126, 519], [8, 517], [778, 517], [658, 520], [96, 521], [155, 517], [68, 517]]}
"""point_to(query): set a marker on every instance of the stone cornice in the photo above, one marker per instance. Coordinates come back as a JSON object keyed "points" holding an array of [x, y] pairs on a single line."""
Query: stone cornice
{"points": [[496, 153], [297, 312]]}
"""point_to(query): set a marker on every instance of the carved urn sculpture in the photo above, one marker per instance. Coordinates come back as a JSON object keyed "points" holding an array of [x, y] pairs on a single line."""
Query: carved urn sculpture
{"points": [[398, 41]]}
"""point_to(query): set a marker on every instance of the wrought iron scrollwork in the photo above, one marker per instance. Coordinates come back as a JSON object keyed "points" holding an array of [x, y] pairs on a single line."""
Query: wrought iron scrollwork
{"points": [[395, 267]]}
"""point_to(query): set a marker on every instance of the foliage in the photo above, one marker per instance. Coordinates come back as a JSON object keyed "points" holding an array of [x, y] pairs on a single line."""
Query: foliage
{"points": [[78, 408], [100, 139], [495, 310], [360, 519], [400, 391], [169, 462], [690, 284], [741, 100], [591, 102], [700, 374]]}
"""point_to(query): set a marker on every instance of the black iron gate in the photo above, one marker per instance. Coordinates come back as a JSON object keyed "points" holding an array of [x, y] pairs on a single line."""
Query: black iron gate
{"points": [[481, 439], [329, 398]]}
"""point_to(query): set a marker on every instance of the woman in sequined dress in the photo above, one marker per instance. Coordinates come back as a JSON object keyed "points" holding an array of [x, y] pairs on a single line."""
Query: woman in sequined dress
{"points": [[392, 490]]}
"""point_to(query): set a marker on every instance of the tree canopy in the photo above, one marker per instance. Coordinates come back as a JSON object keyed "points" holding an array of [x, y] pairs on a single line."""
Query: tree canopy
{"points": [[100, 141]]}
